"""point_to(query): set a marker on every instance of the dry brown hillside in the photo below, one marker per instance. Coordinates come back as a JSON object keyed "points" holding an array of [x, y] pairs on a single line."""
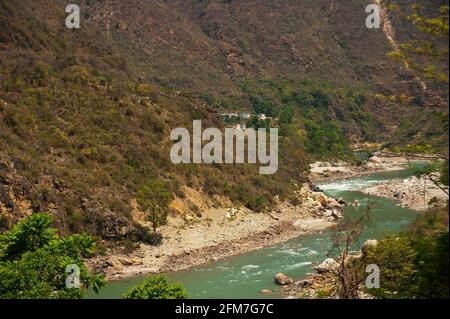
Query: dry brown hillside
{"points": [[86, 115]]}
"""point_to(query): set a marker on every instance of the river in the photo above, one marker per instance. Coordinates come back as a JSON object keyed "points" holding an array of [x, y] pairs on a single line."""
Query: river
{"points": [[244, 276]]}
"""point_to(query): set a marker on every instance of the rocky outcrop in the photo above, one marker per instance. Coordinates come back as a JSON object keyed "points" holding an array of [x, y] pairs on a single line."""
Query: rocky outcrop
{"points": [[324, 283], [328, 265], [419, 193], [113, 228], [318, 204]]}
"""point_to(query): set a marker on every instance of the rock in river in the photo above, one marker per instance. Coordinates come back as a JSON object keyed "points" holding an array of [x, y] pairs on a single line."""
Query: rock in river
{"points": [[282, 280], [266, 291]]}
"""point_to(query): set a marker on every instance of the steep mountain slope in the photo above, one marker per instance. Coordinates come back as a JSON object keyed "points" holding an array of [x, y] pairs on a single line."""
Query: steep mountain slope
{"points": [[215, 41], [86, 115], [80, 133], [215, 48]]}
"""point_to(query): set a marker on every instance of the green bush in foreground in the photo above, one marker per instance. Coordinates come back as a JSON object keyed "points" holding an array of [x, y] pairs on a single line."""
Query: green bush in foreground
{"points": [[34, 260], [157, 287], [415, 264], [395, 257]]}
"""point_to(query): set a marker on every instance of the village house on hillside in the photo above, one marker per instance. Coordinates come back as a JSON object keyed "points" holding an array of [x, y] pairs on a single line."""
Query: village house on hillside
{"points": [[244, 116]]}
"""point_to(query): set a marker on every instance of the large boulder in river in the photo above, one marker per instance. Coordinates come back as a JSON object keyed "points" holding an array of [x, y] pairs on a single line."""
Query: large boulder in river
{"points": [[327, 265], [283, 280]]}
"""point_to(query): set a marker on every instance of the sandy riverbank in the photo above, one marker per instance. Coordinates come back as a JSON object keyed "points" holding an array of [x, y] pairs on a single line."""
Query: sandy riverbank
{"points": [[221, 233]]}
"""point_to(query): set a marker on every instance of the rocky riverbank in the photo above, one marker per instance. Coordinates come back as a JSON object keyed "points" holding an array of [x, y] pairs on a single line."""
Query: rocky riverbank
{"points": [[418, 193], [223, 232], [324, 171], [324, 282]]}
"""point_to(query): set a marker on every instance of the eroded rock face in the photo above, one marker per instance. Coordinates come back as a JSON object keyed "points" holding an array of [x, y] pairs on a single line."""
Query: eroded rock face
{"points": [[319, 204], [327, 265], [110, 227], [283, 280]]}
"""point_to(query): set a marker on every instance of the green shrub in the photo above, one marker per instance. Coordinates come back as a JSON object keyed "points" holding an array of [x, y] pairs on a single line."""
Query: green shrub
{"points": [[34, 261], [26, 236], [157, 287], [395, 256], [415, 264]]}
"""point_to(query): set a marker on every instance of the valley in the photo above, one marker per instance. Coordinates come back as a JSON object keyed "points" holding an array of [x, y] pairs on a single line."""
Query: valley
{"points": [[218, 143], [252, 271]]}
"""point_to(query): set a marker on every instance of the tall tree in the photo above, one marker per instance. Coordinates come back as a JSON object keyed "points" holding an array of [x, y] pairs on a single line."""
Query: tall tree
{"points": [[154, 199]]}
